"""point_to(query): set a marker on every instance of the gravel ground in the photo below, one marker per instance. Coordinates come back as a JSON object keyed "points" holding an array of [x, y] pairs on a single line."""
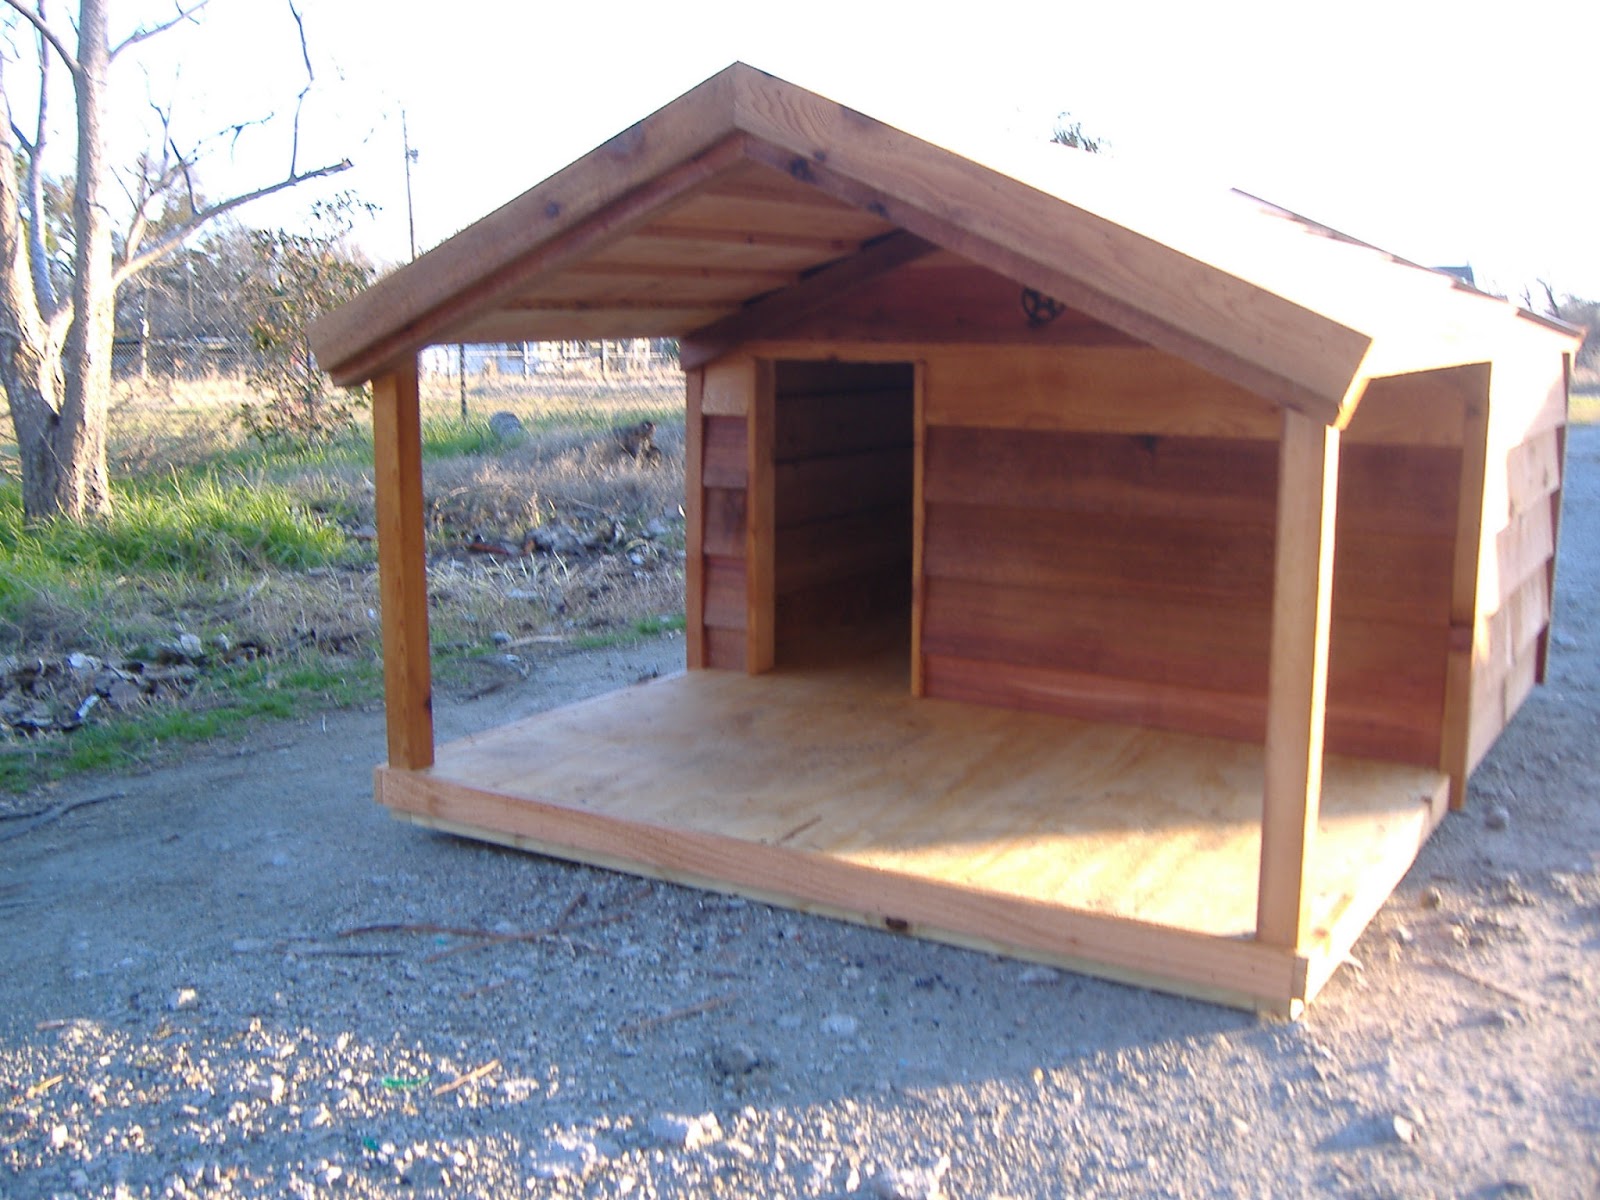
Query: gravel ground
{"points": [[194, 1001]]}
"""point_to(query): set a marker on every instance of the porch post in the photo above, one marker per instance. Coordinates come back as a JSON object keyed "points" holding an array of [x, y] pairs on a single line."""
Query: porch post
{"points": [[760, 550], [1297, 687], [694, 514], [402, 566], [1455, 743]]}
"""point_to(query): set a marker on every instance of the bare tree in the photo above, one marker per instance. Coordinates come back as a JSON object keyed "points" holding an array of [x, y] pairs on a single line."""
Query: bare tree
{"points": [[55, 352]]}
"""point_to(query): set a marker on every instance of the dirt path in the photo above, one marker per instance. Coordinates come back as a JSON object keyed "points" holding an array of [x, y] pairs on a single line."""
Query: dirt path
{"points": [[179, 1013]]}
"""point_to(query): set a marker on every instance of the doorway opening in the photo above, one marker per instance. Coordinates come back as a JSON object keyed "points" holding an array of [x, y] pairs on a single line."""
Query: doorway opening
{"points": [[843, 474]]}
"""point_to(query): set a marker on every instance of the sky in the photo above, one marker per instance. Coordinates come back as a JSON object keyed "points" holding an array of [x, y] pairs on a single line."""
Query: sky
{"points": [[1447, 133]]}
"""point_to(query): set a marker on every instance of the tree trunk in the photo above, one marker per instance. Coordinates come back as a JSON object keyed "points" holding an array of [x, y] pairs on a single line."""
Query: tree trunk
{"points": [[59, 393], [82, 488]]}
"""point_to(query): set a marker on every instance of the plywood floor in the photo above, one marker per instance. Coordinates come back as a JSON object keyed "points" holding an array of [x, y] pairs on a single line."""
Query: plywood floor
{"points": [[841, 763]]}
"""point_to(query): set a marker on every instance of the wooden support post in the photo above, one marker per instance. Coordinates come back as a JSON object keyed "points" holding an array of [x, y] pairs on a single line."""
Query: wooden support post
{"points": [[402, 566], [761, 522], [919, 522], [694, 518], [1297, 688], [1455, 741]]}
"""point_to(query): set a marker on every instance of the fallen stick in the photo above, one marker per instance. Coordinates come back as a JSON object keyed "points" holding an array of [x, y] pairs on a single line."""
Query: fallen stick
{"points": [[55, 813], [645, 1024], [409, 927], [471, 1076], [1491, 985], [532, 935], [483, 989]]}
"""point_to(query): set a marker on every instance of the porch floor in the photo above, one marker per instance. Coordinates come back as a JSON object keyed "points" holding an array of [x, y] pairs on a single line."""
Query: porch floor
{"points": [[1126, 852]]}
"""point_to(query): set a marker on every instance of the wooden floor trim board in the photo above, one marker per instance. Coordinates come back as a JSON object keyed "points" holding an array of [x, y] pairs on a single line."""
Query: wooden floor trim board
{"points": [[1238, 973], [1121, 852]]}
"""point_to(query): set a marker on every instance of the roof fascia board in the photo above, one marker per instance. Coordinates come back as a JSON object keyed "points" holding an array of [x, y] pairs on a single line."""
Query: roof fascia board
{"points": [[1028, 271], [1255, 338], [664, 157]]}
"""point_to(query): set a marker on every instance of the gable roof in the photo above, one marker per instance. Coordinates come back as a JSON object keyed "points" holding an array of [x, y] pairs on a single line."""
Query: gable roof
{"points": [[749, 201]]}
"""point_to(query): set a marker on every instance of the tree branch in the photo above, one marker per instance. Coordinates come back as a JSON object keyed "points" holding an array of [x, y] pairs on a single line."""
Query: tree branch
{"points": [[38, 22], [181, 234], [44, 288], [140, 35], [300, 100]]}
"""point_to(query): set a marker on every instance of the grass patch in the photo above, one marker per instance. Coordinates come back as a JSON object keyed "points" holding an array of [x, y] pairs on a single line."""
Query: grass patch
{"points": [[198, 526], [225, 706], [1584, 408], [638, 629]]}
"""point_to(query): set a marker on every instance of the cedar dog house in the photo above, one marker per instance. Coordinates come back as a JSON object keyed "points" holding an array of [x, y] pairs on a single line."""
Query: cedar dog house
{"points": [[1108, 576]]}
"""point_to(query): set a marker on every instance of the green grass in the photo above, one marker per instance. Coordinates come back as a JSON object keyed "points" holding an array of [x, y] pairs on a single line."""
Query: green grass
{"points": [[643, 627], [224, 706], [199, 526]]}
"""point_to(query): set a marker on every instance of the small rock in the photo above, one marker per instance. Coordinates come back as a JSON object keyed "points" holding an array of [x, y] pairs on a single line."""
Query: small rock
{"points": [[687, 1133], [567, 1156], [508, 427], [59, 1136], [1432, 898], [426, 1173], [1405, 1130], [840, 1025], [734, 1060], [1512, 1188], [83, 664], [1403, 935], [1498, 817], [182, 998], [501, 638], [1036, 975], [911, 1183]]}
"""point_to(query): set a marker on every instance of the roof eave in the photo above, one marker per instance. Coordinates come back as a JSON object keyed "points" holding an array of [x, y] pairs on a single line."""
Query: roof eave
{"points": [[408, 309]]}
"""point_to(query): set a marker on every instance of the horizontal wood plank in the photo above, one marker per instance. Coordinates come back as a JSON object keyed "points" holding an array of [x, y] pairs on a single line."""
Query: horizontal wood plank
{"points": [[725, 593], [1015, 547], [828, 487], [1096, 390], [726, 455], [1200, 479], [725, 649], [1094, 697], [724, 522], [1533, 471], [1106, 632], [851, 544], [812, 426]]}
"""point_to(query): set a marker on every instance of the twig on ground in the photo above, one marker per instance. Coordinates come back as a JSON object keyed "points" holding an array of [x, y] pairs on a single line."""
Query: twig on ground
{"points": [[471, 1076], [411, 927], [533, 935], [483, 989], [41, 818], [1489, 984], [644, 1024]]}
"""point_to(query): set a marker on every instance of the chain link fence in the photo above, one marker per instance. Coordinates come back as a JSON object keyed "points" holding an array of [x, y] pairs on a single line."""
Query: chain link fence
{"points": [[177, 396]]}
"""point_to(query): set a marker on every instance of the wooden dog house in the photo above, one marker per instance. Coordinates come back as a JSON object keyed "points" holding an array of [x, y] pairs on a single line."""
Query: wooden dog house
{"points": [[1110, 576]]}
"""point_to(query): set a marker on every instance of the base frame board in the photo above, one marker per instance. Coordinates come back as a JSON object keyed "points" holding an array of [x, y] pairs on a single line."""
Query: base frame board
{"points": [[1126, 853]]}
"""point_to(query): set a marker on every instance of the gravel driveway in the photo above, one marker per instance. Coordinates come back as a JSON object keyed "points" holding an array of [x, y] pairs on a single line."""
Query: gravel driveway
{"points": [[239, 977]]}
